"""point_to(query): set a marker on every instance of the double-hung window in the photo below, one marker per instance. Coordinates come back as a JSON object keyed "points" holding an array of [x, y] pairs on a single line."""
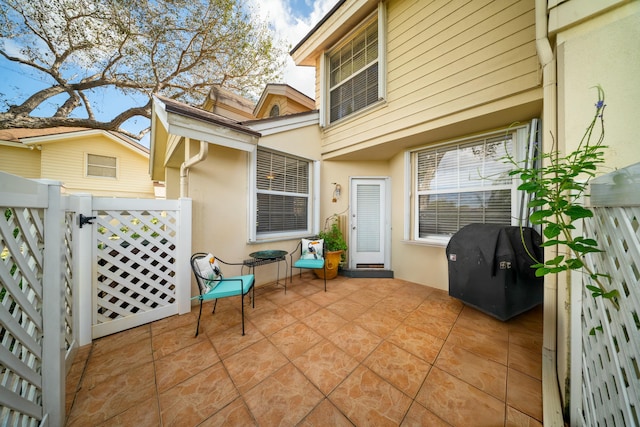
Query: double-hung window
{"points": [[282, 194], [354, 69], [462, 183]]}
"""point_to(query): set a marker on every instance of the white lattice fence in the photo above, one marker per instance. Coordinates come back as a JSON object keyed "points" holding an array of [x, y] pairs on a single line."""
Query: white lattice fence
{"points": [[610, 360], [136, 263], [22, 240]]}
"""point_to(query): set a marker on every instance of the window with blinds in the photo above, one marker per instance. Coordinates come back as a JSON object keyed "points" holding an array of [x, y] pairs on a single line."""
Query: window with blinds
{"points": [[462, 184], [102, 166], [353, 73], [282, 186]]}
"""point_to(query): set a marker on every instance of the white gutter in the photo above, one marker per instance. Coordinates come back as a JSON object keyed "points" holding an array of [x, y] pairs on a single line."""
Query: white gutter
{"points": [[551, 401], [184, 167]]}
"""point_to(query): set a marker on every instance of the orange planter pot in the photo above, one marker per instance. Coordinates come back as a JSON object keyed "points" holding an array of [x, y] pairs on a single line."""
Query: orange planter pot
{"points": [[332, 260]]}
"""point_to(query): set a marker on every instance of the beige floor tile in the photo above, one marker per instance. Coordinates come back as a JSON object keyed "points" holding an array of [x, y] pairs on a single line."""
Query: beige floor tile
{"points": [[524, 393], [487, 345], [419, 416], [376, 322], [325, 365], [146, 413], [368, 400], [198, 398], [325, 414], [295, 339], [459, 403], [355, 340], [253, 364], [417, 342], [354, 355], [235, 414], [94, 405], [284, 398], [486, 375], [324, 322], [399, 367], [184, 363]]}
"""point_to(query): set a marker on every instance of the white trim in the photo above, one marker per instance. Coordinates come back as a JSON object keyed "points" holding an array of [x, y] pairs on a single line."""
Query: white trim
{"points": [[382, 51], [284, 123], [53, 138], [324, 95], [252, 195], [519, 135]]}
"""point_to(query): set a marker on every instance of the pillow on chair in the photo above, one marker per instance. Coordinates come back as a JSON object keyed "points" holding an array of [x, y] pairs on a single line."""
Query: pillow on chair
{"points": [[312, 249], [209, 268]]}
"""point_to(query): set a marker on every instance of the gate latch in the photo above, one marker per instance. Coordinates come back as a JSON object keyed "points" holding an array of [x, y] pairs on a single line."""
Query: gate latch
{"points": [[86, 220]]}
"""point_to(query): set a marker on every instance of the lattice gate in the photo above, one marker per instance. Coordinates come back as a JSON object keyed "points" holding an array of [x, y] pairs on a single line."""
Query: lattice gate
{"points": [[134, 253], [606, 357]]}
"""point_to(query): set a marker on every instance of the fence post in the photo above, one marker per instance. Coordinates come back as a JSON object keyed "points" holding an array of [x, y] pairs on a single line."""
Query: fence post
{"points": [[53, 348], [183, 268], [82, 267]]}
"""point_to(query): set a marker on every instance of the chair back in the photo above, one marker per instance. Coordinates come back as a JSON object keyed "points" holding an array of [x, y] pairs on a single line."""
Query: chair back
{"points": [[202, 276]]}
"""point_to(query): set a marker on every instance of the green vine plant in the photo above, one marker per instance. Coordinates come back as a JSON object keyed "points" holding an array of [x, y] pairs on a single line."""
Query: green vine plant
{"points": [[557, 187]]}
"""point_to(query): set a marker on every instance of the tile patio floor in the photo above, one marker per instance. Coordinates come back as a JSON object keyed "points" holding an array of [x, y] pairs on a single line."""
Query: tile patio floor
{"points": [[368, 352]]}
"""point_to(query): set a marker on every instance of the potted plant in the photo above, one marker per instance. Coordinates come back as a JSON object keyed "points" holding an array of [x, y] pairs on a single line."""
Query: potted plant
{"points": [[335, 247]]}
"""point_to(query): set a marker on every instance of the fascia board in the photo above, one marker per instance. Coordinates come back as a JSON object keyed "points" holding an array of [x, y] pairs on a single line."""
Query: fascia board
{"points": [[48, 139], [282, 125]]}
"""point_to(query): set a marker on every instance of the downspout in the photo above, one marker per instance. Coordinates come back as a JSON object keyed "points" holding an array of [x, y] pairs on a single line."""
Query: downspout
{"points": [[551, 401], [184, 167]]}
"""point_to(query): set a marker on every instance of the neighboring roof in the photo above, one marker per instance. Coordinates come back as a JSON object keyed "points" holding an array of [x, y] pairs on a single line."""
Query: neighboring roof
{"points": [[176, 107], [218, 95], [282, 89], [51, 135]]}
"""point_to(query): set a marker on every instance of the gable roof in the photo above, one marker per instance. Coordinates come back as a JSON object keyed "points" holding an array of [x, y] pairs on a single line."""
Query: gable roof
{"points": [[29, 137], [281, 89]]}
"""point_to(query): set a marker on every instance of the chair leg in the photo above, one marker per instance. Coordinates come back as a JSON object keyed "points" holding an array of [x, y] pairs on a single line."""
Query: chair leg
{"points": [[199, 314], [325, 276], [215, 302], [242, 304]]}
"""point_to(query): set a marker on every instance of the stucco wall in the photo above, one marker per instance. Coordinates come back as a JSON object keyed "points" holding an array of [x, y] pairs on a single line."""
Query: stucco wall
{"points": [[603, 50]]}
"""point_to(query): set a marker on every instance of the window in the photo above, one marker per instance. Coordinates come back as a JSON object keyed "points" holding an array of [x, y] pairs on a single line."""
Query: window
{"points": [[354, 71], [463, 183], [275, 111], [102, 166], [283, 196]]}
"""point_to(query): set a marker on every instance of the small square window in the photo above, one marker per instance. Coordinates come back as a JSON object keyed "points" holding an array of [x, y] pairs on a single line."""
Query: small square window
{"points": [[102, 166]]}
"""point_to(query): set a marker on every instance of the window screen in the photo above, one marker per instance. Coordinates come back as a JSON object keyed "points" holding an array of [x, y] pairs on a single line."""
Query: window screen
{"points": [[102, 166], [282, 184], [462, 184]]}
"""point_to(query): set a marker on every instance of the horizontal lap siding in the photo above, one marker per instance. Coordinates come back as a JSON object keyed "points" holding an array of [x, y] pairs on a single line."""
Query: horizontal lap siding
{"points": [[445, 57], [65, 161], [20, 161]]}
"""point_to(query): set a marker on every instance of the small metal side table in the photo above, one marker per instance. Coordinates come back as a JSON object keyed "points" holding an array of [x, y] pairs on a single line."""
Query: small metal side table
{"points": [[268, 257]]}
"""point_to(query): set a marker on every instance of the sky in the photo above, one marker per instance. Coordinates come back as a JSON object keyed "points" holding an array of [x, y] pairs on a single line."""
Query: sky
{"points": [[290, 20]]}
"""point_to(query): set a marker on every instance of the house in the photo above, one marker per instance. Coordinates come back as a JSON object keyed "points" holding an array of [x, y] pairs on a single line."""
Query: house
{"points": [[417, 104], [85, 160]]}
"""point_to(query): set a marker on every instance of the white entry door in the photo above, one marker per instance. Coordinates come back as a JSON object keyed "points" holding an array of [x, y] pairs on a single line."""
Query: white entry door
{"points": [[369, 222]]}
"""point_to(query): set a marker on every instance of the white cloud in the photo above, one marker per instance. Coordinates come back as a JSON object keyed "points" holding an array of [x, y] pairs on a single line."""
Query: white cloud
{"points": [[290, 28]]}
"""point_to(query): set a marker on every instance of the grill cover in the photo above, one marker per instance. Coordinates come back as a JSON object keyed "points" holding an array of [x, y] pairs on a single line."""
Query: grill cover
{"points": [[490, 269]]}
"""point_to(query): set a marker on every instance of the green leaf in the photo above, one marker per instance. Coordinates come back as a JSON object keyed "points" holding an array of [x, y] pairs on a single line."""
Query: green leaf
{"points": [[528, 187], [552, 230], [611, 294], [542, 271], [538, 216], [536, 203], [557, 260], [574, 263], [577, 212]]}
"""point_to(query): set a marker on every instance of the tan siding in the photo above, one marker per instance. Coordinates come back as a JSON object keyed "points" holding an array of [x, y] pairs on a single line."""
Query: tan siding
{"points": [[65, 161], [443, 58], [20, 161]]}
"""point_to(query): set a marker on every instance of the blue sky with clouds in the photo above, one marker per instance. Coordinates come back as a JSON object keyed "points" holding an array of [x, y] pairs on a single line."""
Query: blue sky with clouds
{"points": [[291, 20]]}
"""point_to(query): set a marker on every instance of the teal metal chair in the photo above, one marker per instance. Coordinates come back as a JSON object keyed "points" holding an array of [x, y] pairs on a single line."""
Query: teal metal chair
{"points": [[214, 285], [311, 255]]}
